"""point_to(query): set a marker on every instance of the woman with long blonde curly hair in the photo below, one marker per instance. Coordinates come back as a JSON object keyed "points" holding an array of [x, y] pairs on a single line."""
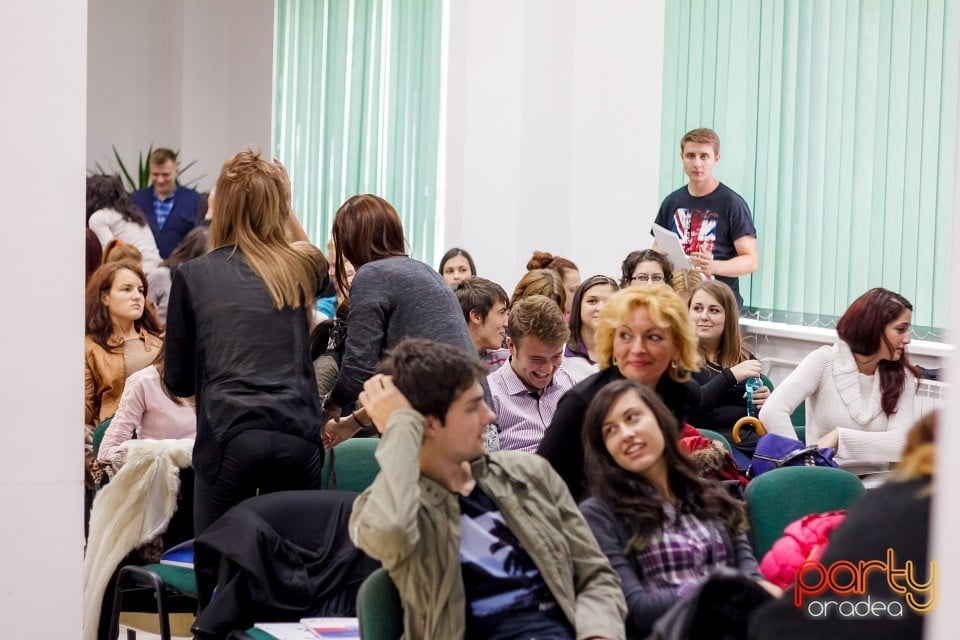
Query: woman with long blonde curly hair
{"points": [[643, 335]]}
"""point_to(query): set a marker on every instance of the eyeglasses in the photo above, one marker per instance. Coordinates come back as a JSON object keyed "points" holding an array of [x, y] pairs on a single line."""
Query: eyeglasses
{"points": [[644, 277]]}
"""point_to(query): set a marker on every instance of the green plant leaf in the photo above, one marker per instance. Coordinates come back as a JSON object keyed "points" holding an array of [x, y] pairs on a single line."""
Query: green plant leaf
{"points": [[123, 169]]}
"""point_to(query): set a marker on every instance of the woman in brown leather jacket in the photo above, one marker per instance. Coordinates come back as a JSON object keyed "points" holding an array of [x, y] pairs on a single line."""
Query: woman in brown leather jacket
{"points": [[122, 335]]}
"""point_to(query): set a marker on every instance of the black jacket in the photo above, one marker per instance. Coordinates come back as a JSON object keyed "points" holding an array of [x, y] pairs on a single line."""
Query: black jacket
{"points": [[247, 362], [562, 445]]}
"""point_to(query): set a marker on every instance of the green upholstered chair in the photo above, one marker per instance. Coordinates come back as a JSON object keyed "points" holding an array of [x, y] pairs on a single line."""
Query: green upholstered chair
{"points": [[715, 435], [165, 581], [379, 609], [780, 496], [98, 434], [351, 465], [801, 432]]}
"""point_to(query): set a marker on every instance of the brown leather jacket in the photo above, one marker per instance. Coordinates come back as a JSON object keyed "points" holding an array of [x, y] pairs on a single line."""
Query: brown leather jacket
{"points": [[105, 375]]}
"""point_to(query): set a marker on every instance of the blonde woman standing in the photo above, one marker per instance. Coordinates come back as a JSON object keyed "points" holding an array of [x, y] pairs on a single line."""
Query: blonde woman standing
{"points": [[238, 338]]}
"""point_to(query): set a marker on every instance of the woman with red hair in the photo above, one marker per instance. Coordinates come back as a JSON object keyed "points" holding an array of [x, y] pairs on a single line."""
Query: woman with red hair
{"points": [[861, 390]]}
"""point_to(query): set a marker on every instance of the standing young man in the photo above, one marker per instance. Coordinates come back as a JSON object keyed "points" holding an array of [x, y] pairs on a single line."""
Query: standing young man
{"points": [[527, 389], [714, 223], [171, 209], [478, 545]]}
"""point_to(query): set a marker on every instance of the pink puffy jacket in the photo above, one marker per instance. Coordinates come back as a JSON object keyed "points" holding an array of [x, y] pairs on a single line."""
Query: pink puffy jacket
{"points": [[804, 539]]}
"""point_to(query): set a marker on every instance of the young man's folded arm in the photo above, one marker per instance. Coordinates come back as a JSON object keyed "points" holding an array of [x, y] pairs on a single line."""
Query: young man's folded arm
{"points": [[384, 519]]}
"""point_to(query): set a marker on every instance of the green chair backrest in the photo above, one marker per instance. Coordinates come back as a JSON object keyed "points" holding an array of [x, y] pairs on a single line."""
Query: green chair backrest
{"points": [[801, 432], [799, 415], [352, 466], [778, 497], [98, 434], [379, 609], [715, 435], [767, 382]]}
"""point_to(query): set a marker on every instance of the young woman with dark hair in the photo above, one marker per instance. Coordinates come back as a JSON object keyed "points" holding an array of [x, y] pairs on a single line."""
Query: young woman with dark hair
{"points": [[148, 410], [456, 265], [644, 267], [193, 245], [663, 528], [860, 391], [580, 354], [238, 338], [122, 336], [112, 214], [392, 296], [727, 362]]}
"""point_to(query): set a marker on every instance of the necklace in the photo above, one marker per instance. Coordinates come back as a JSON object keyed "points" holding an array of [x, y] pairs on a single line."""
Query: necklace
{"points": [[713, 367]]}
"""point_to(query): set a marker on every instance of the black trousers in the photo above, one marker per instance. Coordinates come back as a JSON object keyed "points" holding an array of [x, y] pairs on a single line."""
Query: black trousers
{"points": [[256, 461]]}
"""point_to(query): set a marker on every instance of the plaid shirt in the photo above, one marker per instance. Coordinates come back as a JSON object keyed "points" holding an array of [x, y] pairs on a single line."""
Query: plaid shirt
{"points": [[684, 553], [162, 208]]}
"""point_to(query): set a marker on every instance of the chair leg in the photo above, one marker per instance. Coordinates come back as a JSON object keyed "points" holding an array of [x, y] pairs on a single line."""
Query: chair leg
{"points": [[162, 612], [115, 614], [141, 578]]}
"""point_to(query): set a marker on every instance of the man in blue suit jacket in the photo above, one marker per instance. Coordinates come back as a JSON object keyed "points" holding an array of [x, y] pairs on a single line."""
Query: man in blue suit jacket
{"points": [[170, 209]]}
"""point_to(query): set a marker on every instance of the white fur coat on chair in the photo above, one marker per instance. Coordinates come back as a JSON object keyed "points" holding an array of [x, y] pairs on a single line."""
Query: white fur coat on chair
{"points": [[134, 508]]}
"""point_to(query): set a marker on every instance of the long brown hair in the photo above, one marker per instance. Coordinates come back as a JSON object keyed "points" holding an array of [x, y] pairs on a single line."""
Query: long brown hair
{"points": [[635, 501], [862, 328], [250, 211], [366, 228], [731, 351], [99, 324]]}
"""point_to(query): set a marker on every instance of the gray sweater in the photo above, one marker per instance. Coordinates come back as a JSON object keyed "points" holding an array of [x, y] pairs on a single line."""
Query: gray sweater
{"points": [[392, 299]]}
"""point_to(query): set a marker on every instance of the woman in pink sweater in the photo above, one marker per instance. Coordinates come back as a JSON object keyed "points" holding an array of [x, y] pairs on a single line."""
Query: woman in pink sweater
{"points": [[148, 411]]}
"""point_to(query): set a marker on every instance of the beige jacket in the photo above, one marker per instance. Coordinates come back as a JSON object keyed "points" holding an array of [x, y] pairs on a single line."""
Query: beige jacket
{"points": [[412, 525]]}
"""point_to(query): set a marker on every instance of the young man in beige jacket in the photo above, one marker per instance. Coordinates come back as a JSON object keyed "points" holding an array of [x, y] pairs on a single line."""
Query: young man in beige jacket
{"points": [[479, 545]]}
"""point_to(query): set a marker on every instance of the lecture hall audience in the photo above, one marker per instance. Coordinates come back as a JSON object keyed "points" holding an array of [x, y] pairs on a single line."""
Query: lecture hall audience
{"points": [[640, 365]]}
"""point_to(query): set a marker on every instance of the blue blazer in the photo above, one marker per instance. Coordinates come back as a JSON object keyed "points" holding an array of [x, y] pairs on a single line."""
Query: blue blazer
{"points": [[182, 218]]}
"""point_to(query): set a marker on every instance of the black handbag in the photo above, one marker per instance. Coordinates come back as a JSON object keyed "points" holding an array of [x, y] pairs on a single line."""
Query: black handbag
{"points": [[716, 610]]}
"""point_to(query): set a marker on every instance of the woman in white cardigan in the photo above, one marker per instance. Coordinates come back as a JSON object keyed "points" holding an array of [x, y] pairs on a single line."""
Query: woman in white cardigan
{"points": [[112, 214], [861, 390]]}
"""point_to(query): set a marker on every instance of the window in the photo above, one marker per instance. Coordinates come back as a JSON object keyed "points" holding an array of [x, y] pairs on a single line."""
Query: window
{"points": [[357, 108], [838, 125]]}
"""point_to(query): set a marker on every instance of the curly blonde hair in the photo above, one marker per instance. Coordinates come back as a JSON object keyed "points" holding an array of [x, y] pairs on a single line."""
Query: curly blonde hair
{"points": [[666, 310]]}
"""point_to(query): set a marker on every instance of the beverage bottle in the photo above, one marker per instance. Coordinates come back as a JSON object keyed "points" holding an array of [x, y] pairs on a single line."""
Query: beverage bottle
{"points": [[752, 384]]}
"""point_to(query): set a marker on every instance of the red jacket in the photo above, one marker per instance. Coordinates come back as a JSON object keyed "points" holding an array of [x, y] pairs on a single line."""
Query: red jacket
{"points": [[804, 539]]}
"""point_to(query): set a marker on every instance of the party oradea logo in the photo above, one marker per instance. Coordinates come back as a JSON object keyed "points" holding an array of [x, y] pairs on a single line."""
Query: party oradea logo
{"points": [[857, 590]]}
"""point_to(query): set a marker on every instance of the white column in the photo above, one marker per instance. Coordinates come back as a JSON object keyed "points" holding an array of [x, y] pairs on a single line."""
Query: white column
{"points": [[553, 129], [945, 520], [42, 124]]}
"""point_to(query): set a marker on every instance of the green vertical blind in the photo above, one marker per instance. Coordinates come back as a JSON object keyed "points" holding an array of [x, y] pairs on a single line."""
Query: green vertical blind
{"points": [[357, 108], [838, 125]]}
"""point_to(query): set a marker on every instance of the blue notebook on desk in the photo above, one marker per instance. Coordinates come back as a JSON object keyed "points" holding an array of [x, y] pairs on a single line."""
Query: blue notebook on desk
{"points": [[180, 555]]}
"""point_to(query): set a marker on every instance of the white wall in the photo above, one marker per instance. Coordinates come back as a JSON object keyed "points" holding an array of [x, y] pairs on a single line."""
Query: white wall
{"points": [[190, 75], [553, 125], [42, 114]]}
